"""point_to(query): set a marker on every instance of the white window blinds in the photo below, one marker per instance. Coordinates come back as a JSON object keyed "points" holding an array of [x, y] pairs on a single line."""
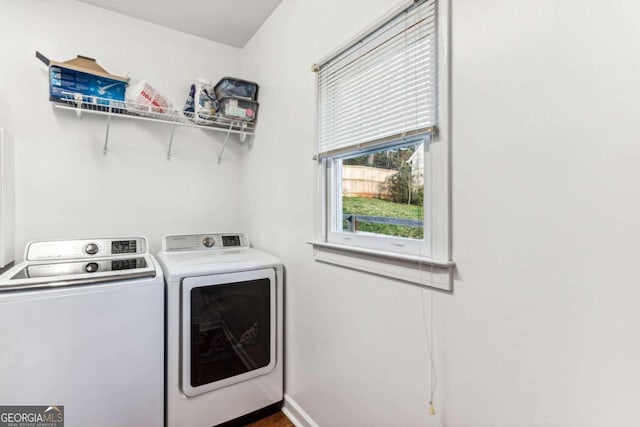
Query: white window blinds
{"points": [[382, 86]]}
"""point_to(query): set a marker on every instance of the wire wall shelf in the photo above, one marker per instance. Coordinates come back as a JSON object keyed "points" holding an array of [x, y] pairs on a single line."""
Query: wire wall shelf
{"points": [[129, 110]]}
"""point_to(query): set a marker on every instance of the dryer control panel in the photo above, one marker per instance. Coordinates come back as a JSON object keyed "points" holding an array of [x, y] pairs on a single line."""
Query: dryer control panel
{"points": [[203, 242]]}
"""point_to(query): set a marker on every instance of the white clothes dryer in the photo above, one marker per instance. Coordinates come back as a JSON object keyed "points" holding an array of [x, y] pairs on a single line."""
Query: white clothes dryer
{"points": [[224, 329]]}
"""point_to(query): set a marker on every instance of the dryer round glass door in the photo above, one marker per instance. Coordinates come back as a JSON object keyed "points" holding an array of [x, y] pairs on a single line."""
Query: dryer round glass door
{"points": [[228, 329]]}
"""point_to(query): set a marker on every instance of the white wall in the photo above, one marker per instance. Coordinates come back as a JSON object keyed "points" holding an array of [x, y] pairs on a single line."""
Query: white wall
{"points": [[542, 328], [65, 186], [355, 349]]}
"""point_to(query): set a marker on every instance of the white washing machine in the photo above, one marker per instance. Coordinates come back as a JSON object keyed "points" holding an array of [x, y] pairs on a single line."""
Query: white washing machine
{"points": [[224, 329], [82, 331]]}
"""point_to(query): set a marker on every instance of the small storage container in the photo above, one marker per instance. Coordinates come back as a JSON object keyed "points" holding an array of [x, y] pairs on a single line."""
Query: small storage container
{"points": [[232, 87], [238, 109]]}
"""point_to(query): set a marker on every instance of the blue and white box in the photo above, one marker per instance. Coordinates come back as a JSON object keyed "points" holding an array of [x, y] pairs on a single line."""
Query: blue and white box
{"points": [[82, 80]]}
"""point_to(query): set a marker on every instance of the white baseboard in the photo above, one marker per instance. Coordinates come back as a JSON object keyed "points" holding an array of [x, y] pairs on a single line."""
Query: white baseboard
{"points": [[296, 414]]}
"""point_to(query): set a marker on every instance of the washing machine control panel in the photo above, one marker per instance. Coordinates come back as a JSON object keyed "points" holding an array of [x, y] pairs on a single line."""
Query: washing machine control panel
{"points": [[84, 248], [201, 242], [209, 242]]}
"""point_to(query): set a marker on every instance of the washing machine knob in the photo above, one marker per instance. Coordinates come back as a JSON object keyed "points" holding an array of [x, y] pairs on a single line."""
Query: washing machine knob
{"points": [[92, 267], [91, 249], [208, 241]]}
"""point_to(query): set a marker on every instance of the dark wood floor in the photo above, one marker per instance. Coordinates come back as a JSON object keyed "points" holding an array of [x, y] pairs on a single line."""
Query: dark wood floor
{"points": [[275, 420]]}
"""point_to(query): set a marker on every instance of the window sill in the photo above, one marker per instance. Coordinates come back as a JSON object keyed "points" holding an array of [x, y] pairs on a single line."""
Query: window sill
{"points": [[413, 269]]}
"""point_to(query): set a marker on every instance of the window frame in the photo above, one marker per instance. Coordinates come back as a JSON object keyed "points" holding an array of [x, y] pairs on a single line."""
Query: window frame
{"points": [[379, 242], [432, 267]]}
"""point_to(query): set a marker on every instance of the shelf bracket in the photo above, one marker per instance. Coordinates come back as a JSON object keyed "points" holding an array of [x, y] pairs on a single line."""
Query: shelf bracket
{"points": [[246, 137], [106, 137], [173, 130], [224, 144], [243, 136]]}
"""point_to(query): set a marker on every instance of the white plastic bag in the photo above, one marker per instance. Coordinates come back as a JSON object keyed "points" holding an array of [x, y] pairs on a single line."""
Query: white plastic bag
{"points": [[142, 97]]}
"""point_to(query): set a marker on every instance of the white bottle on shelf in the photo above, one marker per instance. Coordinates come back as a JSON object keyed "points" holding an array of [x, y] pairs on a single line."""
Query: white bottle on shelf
{"points": [[204, 102]]}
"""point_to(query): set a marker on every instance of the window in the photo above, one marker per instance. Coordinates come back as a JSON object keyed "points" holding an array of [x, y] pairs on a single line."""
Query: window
{"points": [[376, 197], [383, 146]]}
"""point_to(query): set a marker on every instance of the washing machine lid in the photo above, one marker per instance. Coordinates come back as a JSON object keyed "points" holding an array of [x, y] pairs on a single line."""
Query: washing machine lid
{"points": [[178, 265], [42, 275]]}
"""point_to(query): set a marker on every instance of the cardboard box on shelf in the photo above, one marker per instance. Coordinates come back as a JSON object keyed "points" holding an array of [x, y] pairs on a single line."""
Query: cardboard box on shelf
{"points": [[83, 80]]}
